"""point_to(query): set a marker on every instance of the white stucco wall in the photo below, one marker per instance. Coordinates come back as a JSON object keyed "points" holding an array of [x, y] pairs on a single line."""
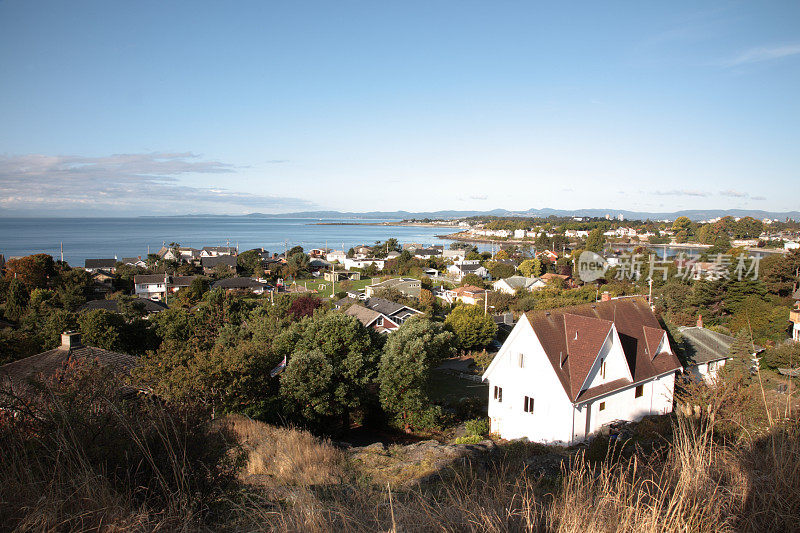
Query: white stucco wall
{"points": [[551, 420], [704, 373]]}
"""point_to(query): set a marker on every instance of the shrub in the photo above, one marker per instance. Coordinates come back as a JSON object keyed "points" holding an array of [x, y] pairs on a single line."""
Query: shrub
{"points": [[468, 439], [477, 426]]}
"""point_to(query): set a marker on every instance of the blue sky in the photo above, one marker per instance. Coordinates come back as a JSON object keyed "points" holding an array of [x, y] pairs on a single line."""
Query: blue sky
{"points": [[234, 107]]}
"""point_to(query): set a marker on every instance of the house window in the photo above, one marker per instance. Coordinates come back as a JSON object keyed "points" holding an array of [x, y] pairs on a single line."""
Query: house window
{"points": [[603, 369], [380, 320], [712, 366], [639, 391], [498, 393], [602, 406], [528, 404], [521, 360]]}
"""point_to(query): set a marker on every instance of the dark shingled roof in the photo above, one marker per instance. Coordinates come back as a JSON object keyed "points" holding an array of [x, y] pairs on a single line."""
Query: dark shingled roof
{"points": [[571, 358], [386, 307], [701, 345], [181, 281], [347, 300], [46, 364], [148, 278], [174, 281], [100, 263], [112, 305], [211, 262]]}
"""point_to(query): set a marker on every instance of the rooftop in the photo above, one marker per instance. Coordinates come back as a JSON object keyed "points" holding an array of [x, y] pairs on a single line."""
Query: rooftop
{"points": [[572, 337]]}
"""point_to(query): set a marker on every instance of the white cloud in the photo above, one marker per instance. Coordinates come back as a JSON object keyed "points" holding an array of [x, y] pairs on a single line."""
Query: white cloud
{"points": [[765, 53], [681, 192], [734, 194], [123, 184]]}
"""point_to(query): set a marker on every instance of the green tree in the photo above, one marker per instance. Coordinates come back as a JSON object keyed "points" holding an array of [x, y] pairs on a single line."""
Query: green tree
{"points": [[767, 321], [472, 279], [197, 288], [16, 300], [308, 384], [501, 270], [427, 301], [472, 328], [250, 263], [595, 241], [102, 328], [297, 265], [409, 356], [779, 273], [682, 224], [348, 348], [531, 268], [737, 370]]}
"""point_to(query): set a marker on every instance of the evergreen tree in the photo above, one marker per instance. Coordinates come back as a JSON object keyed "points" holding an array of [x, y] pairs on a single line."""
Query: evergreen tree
{"points": [[472, 328], [16, 300], [409, 356]]}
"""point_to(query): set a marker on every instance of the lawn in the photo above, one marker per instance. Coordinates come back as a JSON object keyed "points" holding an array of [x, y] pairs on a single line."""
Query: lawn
{"points": [[324, 287], [447, 387]]}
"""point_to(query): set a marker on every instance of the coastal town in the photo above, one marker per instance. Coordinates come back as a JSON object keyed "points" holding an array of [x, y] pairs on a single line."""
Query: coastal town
{"points": [[530, 270], [467, 347], [399, 267]]}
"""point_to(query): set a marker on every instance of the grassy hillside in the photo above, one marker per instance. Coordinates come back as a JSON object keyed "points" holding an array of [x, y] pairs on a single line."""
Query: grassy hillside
{"points": [[82, 458]]}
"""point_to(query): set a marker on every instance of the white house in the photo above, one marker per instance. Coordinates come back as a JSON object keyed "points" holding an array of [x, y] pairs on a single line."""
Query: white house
{"points": [[454, 255], [514, 283], [460, 270], [791, 245], [336, 255], [427, 253], [564, 374], [216, 251], [155, 286], [351, 263]]}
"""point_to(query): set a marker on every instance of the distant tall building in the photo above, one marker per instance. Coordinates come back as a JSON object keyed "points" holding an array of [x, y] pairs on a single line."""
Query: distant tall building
{"points": [[620, 217]]}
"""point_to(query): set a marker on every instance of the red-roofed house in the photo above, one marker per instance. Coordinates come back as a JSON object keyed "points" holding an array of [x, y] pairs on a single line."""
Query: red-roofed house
{"points": [[564, 374]]}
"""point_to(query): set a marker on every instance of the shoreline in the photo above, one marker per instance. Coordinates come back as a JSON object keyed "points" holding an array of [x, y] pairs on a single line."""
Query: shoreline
{"points": [[388, 224]]}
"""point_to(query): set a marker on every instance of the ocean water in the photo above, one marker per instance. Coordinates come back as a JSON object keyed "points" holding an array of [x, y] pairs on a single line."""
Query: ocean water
{"points": [[84, 238]]}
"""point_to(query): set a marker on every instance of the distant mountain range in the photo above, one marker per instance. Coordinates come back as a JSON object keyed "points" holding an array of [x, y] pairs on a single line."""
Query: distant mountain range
{"points": [[696, 214]]}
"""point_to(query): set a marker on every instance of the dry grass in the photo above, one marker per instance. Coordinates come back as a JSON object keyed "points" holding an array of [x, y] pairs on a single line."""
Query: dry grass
{"points": [[702, 480], [697, 485], [286, 456]]}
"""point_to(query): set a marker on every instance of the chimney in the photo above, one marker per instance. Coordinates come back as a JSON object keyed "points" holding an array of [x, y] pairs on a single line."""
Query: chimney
{"points": [[699, 321], [605, 297], [70, 340]]}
